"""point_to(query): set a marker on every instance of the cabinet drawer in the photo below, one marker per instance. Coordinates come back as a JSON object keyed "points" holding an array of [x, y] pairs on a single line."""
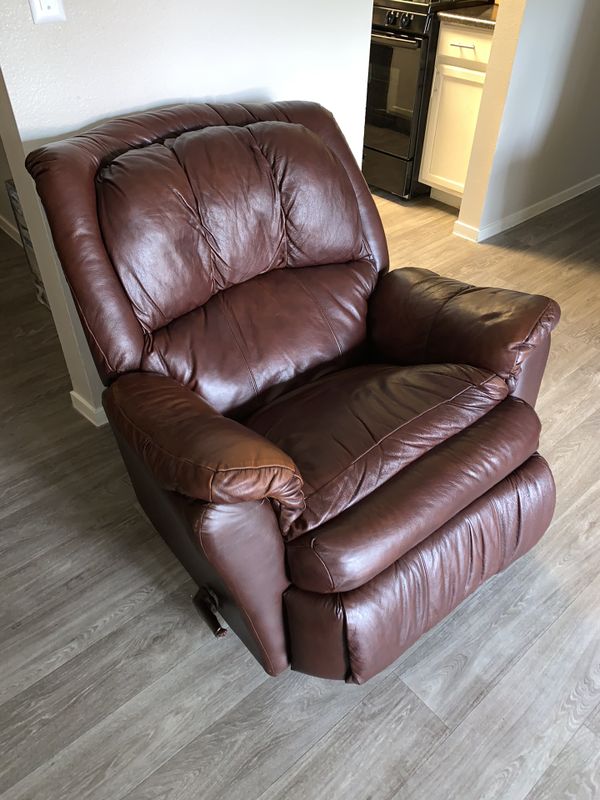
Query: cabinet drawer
{"points": [[464, 44]]}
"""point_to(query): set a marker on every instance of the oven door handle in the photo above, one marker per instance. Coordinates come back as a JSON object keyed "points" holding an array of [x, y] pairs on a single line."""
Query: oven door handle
{"points": [[395, 41]]}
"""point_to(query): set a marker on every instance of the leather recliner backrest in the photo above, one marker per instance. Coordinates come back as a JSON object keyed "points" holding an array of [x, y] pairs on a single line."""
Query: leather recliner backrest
{"points": [[164, 220], [215, 207]]}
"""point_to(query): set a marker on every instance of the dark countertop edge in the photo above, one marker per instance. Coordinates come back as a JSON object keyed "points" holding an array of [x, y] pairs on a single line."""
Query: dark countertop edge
{"points": [[483, 16]]}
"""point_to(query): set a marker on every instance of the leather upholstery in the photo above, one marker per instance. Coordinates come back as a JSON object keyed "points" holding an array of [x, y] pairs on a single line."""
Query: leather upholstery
{"points": [[67, 176], [232, 206], [529, 379], [424, 586], [366, 538], [194, 450], [351, 431], [313, 321], [329, 447], [236, 549], [371, 626], [243, 545], [448, 321]]}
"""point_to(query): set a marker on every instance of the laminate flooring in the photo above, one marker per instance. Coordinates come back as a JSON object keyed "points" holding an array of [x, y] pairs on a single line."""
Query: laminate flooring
{"points": [[111, 688]]}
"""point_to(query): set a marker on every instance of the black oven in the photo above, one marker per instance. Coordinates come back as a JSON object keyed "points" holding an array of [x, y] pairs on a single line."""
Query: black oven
{"points": [[403, 44], [396, 74]]}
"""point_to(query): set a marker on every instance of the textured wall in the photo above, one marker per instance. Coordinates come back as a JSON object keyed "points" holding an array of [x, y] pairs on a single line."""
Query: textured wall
{"points": [[114, 56]]}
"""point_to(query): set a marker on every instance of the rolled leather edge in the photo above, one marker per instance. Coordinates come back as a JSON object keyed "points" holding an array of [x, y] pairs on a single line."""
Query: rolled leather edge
{"points": [[417, 316], [194, 450]]}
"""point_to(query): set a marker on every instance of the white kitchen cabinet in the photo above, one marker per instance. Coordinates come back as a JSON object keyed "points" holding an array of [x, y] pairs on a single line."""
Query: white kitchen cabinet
{"points": [[454, 107]]}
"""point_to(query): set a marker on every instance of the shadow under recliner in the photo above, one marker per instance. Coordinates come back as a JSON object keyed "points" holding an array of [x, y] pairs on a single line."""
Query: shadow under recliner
{"points": [[337, 454]]}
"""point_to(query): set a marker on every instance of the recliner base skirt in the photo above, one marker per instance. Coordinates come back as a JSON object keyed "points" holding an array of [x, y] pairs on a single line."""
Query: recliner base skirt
{"points": [[356, 634]]}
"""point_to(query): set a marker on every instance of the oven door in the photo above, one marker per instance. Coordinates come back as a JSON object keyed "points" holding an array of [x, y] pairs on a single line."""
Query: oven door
{"points": [[393, 95]]}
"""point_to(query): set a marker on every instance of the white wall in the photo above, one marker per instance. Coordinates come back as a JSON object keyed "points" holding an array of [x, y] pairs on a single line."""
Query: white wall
{"points": [[493, 101], [116, 56], [546, 149], [549, 139]]}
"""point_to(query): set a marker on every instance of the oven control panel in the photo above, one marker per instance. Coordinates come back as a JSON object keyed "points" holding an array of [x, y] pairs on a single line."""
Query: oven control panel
{"points": [[395, 20], [399, 19]]}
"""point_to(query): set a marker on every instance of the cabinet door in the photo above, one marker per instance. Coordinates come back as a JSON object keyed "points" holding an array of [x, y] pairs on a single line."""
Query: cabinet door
{"points": [[453, 111]]}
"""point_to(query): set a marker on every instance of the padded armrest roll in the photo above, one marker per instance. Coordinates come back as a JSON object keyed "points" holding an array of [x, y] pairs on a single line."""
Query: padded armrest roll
{"points": [[194, 450], [416, 316]]}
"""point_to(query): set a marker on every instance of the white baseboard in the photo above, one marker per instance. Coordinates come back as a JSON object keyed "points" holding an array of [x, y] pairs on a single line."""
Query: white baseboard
{"points": [[466, 231], [9, 228], [506, 223], [93, 414], [447, 198]]}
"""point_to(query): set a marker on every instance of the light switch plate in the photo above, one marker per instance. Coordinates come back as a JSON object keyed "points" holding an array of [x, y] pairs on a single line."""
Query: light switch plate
{"points": [[47, 11]]}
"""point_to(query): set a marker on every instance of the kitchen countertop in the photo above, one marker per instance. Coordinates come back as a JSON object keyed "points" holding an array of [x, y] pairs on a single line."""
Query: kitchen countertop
{"points": [[474, 17]]}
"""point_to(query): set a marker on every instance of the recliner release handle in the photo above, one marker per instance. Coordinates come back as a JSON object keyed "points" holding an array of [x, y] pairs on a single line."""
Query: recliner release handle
{"points": [[207, 604]]}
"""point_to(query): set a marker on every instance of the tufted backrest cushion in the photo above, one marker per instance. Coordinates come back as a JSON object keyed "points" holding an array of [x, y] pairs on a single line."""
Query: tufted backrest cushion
{"points": [[215, 207], [233, 247]]}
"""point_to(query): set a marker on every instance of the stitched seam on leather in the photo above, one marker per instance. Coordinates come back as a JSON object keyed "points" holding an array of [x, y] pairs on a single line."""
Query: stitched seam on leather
{"points": [[283, 240], [282, 112], [313, 547], [204, 230], [467, 288], [367, 248], [91, 332], [153, 304], [219, 115], [227, 311], [262, 466], [399, 428], [161, 357], [134, 307], [340, 164], [111, 156], [320, 308], [234, 594], [520, 355], [282, 243], [500, 477], [136, 310]]}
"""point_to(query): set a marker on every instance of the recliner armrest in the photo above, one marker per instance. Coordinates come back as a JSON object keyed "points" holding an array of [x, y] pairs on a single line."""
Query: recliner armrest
{"points": [[417, 317], [192, 449]]}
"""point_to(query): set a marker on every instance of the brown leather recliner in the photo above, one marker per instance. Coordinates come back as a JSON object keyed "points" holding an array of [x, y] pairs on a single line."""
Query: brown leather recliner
{"points": [[338, 453]]}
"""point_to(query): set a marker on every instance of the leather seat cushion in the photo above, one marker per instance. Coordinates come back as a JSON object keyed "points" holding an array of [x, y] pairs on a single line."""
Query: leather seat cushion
{"points": [[358, 544], [351, 431]]}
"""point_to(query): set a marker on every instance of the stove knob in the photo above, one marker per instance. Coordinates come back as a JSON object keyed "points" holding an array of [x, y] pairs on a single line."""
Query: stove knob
{"points": [[392, 17], [405, 20]]}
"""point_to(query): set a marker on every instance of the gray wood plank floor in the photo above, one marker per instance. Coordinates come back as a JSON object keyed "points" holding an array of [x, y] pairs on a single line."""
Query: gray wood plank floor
{"points": [[112, 688]]}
